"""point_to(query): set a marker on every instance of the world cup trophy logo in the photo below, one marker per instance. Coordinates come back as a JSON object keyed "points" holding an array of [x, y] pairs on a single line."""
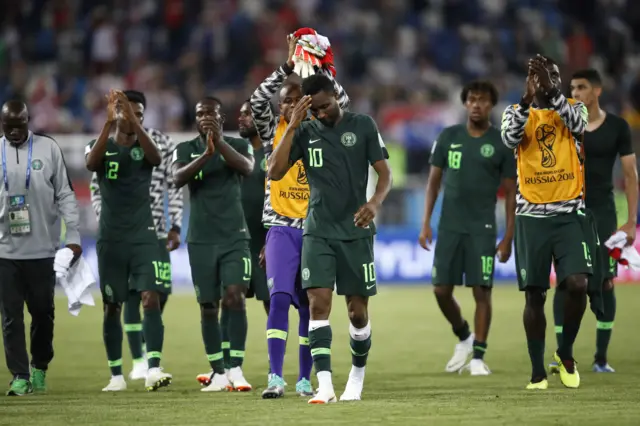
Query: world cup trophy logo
{"points": [[302, 175], [546, 137]]}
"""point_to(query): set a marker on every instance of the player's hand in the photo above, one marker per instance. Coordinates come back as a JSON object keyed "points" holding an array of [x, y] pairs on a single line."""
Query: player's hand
{"points": [[173, 240], [111, 106], [292, 42], [529, 87], [211, 147], [262, 259], [539, 67], [365, 215], [426, 237], [629, 228], [503, 251], [300, 111], [77, 252], [124, 106]]}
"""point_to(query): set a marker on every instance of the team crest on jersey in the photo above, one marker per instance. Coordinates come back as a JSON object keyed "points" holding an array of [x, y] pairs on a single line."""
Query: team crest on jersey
{"points": [[487, 150], [348, 139], [263, 165], [37, 165], [137, 153]]}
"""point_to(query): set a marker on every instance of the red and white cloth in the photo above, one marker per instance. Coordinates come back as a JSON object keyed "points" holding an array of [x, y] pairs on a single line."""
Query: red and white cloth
{"points": [[620, 251], [313, 51]]}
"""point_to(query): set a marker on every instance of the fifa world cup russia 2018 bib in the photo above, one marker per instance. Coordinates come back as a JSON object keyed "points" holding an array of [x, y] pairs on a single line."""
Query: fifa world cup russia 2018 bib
{"points": [[18, 215], [549, 167]]}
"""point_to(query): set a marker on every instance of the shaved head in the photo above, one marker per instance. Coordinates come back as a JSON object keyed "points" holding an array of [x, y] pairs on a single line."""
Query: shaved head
{"points": [[15, 121]]}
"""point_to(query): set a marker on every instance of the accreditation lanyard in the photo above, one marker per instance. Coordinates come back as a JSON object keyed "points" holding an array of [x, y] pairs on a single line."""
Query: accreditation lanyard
{"points": [[5, 178]]}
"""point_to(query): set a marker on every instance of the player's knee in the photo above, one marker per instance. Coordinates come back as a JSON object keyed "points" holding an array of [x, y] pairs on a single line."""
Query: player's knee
{"points": [[357, 310], [576, 283], [535, 298], [150, 300], [234, 298], [209, 310], [112, 309], [319, 303], [443, 291]]}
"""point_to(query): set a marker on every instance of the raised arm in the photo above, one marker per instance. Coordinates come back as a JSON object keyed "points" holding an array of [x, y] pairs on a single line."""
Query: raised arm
{"points": [[184, 169], [240, 158], [514, 120], [285, 153], [96, 197], [94, 154], [575, 117], [260, 102], [342, 97]]}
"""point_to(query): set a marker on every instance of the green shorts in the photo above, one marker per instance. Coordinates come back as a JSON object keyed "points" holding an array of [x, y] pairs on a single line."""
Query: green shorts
{"points": [[216, 266], [258, 285], [457, 255], [347, 264], [125, 267], [569, 240], [607, 224]]}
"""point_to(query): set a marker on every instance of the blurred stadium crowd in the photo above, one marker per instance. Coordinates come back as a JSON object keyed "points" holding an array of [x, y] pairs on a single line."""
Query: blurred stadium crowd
{"points": [[402, 61]]}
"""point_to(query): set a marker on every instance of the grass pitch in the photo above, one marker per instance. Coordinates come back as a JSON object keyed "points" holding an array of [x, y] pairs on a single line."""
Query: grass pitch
{"points": [[405, 383]]}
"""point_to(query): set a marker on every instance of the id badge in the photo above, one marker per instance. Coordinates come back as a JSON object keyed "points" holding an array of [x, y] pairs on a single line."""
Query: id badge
{"points": [[19, 219]]}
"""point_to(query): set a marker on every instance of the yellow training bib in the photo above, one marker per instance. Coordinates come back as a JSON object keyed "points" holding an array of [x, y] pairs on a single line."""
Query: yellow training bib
{"points": [[290, 195], [549, 167]]}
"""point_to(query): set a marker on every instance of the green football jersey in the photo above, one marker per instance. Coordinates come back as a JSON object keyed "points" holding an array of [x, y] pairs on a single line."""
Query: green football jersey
{"points": [[336, 160], [124, 180], [601, 148], [474, 168], [253, 187], [215, 196]]}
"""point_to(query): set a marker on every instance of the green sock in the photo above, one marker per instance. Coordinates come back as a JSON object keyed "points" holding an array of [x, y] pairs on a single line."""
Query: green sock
{"points": [[605, 326], [558, 313], [479, 349], [359, 351], [212, 345], [224, 327], [237, 336], [112, 335], [536, 354], [153, 330], [320, 345]]}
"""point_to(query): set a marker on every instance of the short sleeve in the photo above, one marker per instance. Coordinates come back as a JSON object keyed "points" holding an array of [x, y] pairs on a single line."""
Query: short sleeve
{"points": [[438, 156], [297, 149], [376, 149], [88, 147], [181, 154], [508, 164], [625, 146]]}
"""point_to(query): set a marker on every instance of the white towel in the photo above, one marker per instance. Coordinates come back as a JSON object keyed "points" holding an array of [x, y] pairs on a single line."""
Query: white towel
{"points": [[77, 286], [624, 254]]}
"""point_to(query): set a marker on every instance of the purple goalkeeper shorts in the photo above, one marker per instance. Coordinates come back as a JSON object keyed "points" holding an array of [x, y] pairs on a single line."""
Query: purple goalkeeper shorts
{"points": [[283, 253]]}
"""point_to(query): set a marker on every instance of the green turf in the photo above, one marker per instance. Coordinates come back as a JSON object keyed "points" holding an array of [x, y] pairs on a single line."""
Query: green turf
{"points": [[405, 380]]}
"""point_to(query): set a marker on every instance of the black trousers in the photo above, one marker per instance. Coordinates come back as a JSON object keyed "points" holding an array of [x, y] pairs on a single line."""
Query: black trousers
{"points": [[31, 282]]}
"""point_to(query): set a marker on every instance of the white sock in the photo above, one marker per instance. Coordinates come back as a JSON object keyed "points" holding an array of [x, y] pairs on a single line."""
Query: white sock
{"points": [[324, 380], [357, 373], [359, 334], [316, 324]]}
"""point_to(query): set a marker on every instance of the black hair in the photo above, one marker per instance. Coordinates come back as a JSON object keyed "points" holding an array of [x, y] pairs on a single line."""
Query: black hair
{"points": [[591, 75], [211, 99], [481, 86], [317, 83], [136, 97]]}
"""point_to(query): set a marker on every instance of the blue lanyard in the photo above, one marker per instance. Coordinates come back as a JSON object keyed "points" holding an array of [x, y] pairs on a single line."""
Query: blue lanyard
{"points": [[4, 163]]}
